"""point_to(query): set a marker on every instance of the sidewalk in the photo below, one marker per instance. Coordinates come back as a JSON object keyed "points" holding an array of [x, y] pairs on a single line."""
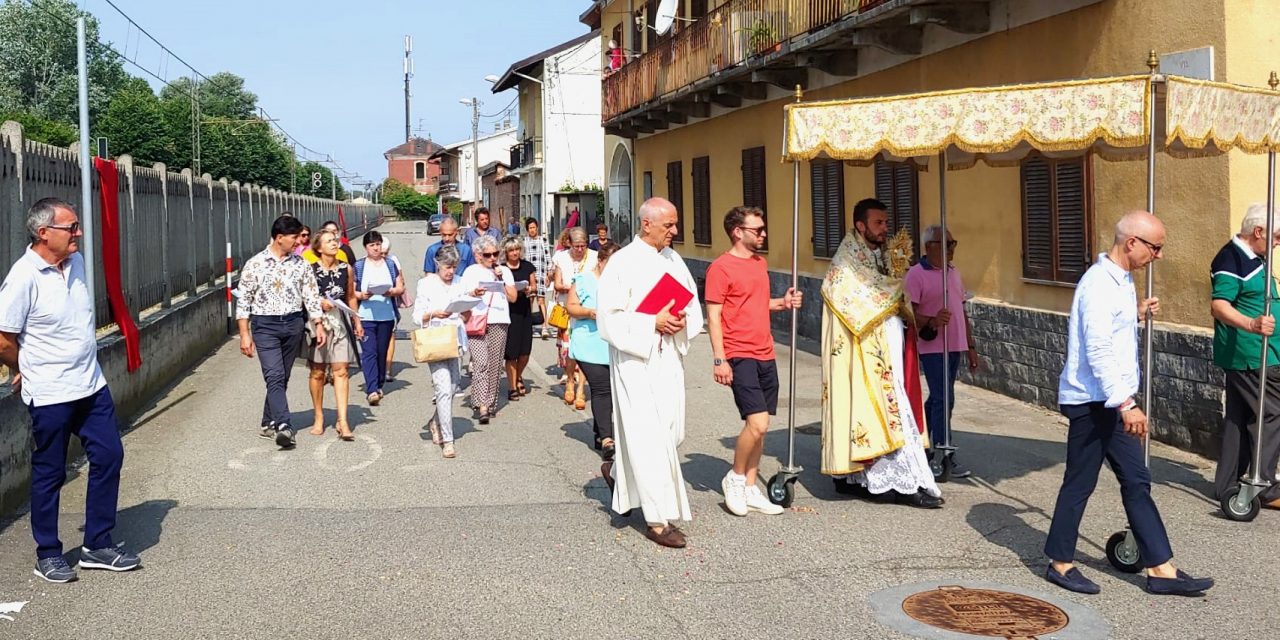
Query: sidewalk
{"points": [[384, 538]]}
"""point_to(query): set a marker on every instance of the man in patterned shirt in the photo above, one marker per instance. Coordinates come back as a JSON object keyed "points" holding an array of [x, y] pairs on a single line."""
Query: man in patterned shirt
{"points": [[538, 253], [277, 291]]}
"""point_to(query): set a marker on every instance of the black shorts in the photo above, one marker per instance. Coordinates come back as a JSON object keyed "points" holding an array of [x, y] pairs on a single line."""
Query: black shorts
{"points": [[755, 386]]}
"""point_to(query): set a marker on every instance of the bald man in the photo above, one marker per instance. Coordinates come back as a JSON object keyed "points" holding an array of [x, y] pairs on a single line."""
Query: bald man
{"points": [[1097, 392], [646, 372], [448, 237]]}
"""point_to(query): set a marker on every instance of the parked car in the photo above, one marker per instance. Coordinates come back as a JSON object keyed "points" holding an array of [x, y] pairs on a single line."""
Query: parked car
{"points": [[433, 223]]}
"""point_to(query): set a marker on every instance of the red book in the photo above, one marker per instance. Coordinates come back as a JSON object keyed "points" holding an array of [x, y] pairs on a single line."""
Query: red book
{"points": [[667, 290]]}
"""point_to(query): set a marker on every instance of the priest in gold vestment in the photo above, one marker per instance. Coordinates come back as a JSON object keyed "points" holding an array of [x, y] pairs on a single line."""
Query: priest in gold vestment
{"points": [[873, 440]]}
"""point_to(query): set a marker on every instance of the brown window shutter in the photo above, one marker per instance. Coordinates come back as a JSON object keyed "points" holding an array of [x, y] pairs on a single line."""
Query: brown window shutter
{"points": [[1037, 219], [897, 186], [702, 200], [753, 177], [675, 193], [827, 178], [1071, 220]]}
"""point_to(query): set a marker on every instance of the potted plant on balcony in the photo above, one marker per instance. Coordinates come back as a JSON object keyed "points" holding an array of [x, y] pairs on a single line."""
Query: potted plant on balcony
{"points": [[760, 36]]}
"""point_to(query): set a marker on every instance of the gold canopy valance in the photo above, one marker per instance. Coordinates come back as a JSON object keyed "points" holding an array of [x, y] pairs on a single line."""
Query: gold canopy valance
{"points": [[1000, 125]]}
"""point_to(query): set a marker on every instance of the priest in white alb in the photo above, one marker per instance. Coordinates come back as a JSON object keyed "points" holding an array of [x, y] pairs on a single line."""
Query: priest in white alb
{"points": [[646, 369]]}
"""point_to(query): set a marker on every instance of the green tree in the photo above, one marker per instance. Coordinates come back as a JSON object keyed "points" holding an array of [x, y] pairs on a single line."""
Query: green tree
{"points": [[42, 129], [133, 123], [38, 50], [406, 201], [305, 180]]}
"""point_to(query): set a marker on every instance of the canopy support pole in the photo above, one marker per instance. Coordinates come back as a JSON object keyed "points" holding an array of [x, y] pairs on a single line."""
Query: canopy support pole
{"points": [[945, 447], [795, 320], [1148, 356], [1255, 477]]}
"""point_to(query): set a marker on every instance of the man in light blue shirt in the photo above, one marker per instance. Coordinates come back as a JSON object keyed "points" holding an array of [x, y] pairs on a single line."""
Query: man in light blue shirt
{"points": [[482, 228], [1097, 393]]}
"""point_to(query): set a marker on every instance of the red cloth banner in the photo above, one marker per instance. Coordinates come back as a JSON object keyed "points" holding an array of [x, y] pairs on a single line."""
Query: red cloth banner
{"points": [[342, 223], [911, 362], [109, 182]]}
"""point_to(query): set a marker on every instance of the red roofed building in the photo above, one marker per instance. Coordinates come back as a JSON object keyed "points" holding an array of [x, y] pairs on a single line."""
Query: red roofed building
{"points": [[409, 163]]}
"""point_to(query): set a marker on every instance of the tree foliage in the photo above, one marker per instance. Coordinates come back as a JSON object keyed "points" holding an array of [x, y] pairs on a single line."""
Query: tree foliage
{"points": [[38, 88], [406, 201]]}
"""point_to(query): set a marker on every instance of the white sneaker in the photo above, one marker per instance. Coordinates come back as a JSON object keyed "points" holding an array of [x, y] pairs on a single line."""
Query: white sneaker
{"points": [[735, 493], [756, 501]]}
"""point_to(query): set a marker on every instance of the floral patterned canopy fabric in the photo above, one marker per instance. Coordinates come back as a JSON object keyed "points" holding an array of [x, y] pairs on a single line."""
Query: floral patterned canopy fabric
{"points": [[1001, 125]]}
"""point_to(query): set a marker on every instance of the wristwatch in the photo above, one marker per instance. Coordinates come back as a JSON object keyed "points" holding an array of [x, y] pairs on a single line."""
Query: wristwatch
{"points": [[717, 362]]}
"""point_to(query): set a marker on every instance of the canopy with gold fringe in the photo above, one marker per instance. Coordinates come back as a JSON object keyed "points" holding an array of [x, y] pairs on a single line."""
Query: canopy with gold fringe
{"points": [[1000, 125]]}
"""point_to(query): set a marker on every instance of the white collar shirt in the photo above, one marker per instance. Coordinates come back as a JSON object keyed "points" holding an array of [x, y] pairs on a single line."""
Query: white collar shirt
{"points": [[1102, 338], [49, 309]]}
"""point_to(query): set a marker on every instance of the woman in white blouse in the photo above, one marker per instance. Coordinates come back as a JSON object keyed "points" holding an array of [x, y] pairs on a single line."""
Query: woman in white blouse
{"points": [[435, 292], [487, 346]]}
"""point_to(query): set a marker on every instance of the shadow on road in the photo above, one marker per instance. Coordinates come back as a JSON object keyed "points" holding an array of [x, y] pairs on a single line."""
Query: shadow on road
{"points": [[139, 527]]}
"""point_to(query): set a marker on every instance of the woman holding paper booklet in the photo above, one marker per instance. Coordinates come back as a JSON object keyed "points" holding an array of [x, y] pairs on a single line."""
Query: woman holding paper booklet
{"points": [[487, 328], [337, 290], [591, 352], [437, 293], [568, 265], [379, 282], [520, 332]]}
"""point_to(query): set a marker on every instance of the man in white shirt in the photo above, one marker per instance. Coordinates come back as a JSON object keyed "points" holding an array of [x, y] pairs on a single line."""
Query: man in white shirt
{"points": [[1097, 392], [47, 335]]}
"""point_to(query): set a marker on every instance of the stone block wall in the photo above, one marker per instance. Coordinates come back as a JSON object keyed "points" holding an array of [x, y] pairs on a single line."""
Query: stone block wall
{"points": [[1024, 349]]}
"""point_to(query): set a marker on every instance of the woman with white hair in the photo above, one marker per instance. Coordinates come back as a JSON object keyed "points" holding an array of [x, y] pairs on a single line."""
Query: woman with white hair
{"points": [[487, 328], [435, 292], [569, 264]]}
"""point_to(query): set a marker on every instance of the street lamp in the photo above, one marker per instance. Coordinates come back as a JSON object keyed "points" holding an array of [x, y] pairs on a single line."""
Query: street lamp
{"points": [[475, 150]]}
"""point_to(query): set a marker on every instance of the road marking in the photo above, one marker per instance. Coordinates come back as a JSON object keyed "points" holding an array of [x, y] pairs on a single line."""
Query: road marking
{"points": [[7, 608], [375, 450]]}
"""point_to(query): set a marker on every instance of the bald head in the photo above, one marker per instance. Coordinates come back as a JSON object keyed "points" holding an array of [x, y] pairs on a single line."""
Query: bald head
{"points": [[658, 222], [1139, 224]]}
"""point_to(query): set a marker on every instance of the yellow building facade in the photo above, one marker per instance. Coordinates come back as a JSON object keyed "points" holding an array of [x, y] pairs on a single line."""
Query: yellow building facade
{"points": [[1201, 200]]}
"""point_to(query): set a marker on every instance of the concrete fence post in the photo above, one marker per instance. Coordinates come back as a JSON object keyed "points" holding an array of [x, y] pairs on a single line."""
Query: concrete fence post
{"points": [[190, 217], [129, 239], [12, 225], [166, 268]]}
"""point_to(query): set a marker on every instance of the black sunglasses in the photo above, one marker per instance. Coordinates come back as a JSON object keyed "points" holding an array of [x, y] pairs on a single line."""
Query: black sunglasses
{"points": [[72, 228], [489, 255]]}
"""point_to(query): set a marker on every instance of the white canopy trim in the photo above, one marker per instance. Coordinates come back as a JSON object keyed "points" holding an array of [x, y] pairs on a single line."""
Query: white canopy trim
{"points": [[1206, 118]]}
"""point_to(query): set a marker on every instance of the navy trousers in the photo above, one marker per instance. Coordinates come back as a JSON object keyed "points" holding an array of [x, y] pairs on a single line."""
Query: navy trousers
{"points": [[931, 363], [1097, 432], [278, 341], [93, 420], [373, 353]]}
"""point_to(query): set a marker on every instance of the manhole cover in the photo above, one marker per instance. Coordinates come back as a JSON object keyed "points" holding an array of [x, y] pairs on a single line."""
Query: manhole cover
{"points": [[971, 610], [985, 612]]}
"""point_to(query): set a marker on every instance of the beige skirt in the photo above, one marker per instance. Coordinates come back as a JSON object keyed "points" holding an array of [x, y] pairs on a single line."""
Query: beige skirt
{"points": [[337, 348]]}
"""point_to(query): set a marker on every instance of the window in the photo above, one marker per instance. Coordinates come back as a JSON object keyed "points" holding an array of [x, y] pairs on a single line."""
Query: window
{"points": [[753, 192], [897, 187], [419, 171], [675, 193], [697, 9], [648, 186], [702, 200], [827, 181], [1056, 214]]}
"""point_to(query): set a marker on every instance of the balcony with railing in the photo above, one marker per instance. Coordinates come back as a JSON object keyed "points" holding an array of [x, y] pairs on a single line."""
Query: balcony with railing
{"points": [[527, 154], [741, 47]]}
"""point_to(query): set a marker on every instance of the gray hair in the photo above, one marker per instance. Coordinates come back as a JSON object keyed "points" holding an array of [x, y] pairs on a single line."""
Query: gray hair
{"points": [[932, 233], [41, 214], [510, 243], [649, 210], [481, 243], [1255, 216], [448, 221], [447, 256], [577, 233]]}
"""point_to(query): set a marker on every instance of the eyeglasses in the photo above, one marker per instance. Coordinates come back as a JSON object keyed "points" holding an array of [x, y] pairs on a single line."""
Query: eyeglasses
{"points": [[1155, 248], [72, 228], [760, 230], [489, 255], [577, 246], [951, 244]]}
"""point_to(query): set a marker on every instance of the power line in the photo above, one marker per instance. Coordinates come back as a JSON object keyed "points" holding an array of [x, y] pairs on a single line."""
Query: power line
{"points": [[197, 78]]}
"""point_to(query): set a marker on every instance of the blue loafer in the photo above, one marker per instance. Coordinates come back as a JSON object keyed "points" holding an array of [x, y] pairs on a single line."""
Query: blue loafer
{"points": [[1183, 585], [1072, 580]]}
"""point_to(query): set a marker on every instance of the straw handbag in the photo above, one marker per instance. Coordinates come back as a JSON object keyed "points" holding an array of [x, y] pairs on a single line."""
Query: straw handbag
{"points": [[434, 344]]}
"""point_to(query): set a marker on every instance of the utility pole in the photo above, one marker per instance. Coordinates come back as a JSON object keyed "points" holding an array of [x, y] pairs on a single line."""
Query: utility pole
{"points": [[293, 168], [87, 221], [408, 73], [475, 154]]}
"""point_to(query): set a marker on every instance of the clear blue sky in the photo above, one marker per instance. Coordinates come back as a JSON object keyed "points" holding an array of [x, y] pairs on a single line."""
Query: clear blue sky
{"points": [[331, 71]]}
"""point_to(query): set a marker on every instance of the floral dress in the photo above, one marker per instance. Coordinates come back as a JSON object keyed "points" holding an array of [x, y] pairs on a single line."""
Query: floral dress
{"points": [[340, 345]]}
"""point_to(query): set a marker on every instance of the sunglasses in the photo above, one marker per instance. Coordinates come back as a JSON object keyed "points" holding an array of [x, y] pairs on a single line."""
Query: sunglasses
{"points": [[72, 228], [489, 255], [756, 230]]}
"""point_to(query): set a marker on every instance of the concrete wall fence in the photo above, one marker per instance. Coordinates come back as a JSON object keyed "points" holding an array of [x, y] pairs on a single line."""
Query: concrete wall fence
{"points": [[174, 230]]}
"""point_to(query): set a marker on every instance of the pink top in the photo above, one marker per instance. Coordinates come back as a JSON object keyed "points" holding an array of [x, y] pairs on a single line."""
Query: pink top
{"points": [[924, 289]]}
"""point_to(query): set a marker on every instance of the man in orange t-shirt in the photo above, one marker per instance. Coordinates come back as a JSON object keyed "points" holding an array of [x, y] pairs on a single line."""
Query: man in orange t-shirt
{"points": [[738, 308]]}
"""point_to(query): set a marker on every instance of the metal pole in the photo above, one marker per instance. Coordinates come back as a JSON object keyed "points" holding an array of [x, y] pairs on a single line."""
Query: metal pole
{"points": [[87, 223], [1148, 358], [475, 154], [408, 50], [1255, 477], [795, 319], [946, 303]]}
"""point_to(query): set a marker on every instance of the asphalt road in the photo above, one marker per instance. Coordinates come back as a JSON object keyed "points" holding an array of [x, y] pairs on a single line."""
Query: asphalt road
{"points": [[383, 538]]}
